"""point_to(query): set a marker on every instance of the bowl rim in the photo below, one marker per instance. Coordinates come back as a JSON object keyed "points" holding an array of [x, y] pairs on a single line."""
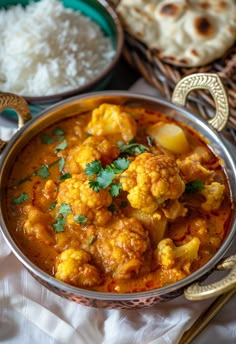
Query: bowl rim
{"points": [[111, 296], [49, 99]]}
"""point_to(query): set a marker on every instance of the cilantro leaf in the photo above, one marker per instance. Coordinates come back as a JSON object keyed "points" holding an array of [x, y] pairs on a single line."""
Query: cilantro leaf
{"points": [[59, 225], [46, 139], [194, 186], [21, 199], [133, 140], [94, 185], [40, 172], [115, 189], [65, 176], [61, 146], [131, 148], [43, 172], [64, 209], [92, 239], [120, 165], [93, 168], [105, 177], [52, 206], [58, 131], [61, 164], [81, 219]]}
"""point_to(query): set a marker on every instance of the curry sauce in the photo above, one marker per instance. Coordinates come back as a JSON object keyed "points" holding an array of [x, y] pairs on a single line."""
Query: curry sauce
{"points": [[118, 199]]}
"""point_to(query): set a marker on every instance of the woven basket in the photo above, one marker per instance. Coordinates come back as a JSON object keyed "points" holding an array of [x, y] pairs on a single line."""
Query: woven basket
{"points": [[164, 77]]}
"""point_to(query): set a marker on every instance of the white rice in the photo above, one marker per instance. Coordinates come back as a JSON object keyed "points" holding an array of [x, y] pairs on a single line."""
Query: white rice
{"points": [[47, 49]]}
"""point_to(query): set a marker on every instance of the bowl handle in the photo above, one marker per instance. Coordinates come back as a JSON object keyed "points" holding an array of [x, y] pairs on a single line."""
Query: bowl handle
{"points": [[17, 103], [213, 84], [196, 291]]}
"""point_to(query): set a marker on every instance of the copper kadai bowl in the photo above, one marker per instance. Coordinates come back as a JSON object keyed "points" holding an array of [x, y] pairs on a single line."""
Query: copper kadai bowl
{"points": [[191, 286]]}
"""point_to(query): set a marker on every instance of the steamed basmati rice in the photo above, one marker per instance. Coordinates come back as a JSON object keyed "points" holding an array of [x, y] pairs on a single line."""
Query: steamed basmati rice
{"points": [[47, 49]]}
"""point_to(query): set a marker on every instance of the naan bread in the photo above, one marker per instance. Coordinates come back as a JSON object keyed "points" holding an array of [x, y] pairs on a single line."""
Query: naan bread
{"points": [[185, 32]]}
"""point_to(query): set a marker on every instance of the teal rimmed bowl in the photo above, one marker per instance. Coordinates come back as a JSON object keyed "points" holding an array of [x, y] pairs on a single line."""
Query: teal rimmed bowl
{"points": [[103, 14]]}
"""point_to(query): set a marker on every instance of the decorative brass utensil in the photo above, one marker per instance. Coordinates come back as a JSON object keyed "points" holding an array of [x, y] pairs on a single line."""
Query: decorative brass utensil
{"points": [[206, 317]]}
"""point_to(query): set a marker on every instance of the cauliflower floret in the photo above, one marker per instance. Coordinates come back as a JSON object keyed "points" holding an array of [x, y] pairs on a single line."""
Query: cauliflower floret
{"points": [[93, 148], [122, 247], [192, 166], [77, 193], [74, 268], [174, 209], [150, 180], [110, 119], [38, 224], [214, 194], [170, 256]]}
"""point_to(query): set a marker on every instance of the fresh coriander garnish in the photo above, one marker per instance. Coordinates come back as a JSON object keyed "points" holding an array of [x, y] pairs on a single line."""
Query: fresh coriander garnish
{"points": [[194, 186], [61, 146], [120, 165], [58, 131], [115, 189], [63, 211], [61, 164], [59, 225], [52, 206], [93, 168], [57, 135], [131, 148], [94, 185], [92, 239], [65, 176], [43, 172], [81, 219], [47, 139], [21, 199], [59, 138], [105, 177]]}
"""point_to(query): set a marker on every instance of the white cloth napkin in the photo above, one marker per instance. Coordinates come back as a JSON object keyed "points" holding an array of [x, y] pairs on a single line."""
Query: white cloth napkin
{"points": [[31, 314]]}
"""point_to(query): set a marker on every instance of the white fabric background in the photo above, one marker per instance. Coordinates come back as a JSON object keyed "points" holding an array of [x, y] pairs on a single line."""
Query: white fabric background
{"points": [[31, 314]]}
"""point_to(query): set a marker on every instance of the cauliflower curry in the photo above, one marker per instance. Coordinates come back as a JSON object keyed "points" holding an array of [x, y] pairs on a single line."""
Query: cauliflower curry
{"points": [[118, 200]]}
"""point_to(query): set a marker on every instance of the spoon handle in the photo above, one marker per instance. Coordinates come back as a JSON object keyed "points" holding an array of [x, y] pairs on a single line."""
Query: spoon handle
{"points": [[206, 317]]}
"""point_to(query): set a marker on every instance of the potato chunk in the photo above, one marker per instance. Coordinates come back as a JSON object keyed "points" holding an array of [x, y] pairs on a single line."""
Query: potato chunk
{"points": [[170, 136]]}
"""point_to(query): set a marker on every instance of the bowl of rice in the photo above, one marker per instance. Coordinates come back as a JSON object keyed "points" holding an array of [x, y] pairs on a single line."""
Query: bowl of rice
{"points": [[52, 50]]}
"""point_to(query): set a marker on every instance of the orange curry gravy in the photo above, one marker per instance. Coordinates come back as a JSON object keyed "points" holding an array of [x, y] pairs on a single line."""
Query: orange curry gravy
{"points": [[105, 201]]}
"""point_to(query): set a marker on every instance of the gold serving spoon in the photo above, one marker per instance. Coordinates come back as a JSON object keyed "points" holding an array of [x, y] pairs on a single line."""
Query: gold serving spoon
{"points": [[206, 317]]}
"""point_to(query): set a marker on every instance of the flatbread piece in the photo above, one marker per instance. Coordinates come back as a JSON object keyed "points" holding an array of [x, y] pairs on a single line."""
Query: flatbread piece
{"points": [[182, 32]]}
